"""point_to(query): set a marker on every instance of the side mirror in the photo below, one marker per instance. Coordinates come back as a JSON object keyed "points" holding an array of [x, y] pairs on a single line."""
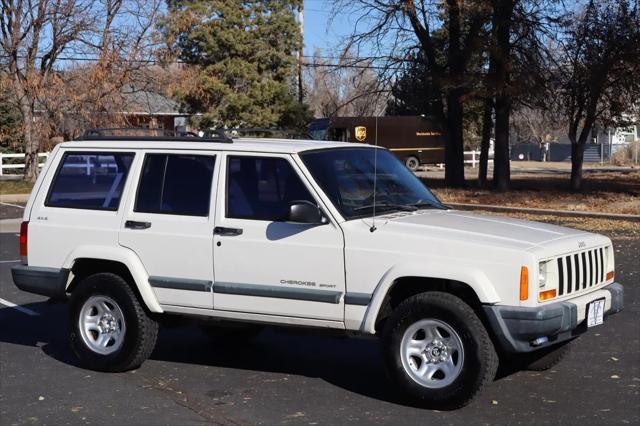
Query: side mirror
{"points": [[303, 211]]}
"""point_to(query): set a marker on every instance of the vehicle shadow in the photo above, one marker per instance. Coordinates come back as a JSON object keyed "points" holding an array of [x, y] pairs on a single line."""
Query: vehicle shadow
{"points": [[353, 364]]}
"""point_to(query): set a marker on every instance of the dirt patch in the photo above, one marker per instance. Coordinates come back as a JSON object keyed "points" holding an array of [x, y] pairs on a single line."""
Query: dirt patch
{"points": [[604, 191], [15, 187]]}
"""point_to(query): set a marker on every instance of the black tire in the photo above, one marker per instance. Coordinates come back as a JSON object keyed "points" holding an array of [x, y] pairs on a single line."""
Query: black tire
{"points": [[412, 162], [546, 358], [480, 360], [140, 334], [236, 332]]}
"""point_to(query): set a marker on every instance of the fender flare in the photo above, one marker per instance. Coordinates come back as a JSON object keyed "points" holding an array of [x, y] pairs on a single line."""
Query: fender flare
{"points": [[128, 258], [476, 279]]}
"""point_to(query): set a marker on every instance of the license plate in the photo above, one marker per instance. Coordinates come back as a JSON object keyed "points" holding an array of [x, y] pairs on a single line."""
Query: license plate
{"points": [[595, 313]]}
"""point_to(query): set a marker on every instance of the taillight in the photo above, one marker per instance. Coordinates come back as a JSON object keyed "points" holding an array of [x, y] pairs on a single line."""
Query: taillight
{"points": [[24, 230]]}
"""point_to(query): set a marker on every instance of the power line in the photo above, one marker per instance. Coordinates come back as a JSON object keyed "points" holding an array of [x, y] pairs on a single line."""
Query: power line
{"points": [[180, 62]]}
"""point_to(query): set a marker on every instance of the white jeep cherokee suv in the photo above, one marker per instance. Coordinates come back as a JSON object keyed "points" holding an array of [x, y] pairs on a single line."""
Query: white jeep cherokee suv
{"points": [[302, 233]]}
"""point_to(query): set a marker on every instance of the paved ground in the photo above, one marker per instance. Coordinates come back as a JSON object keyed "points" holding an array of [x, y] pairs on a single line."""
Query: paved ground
{"points": [[287, 377]]}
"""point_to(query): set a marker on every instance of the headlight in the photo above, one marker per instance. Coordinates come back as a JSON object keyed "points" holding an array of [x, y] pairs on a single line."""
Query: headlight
{"points": [[542, 274], [547, 280]]}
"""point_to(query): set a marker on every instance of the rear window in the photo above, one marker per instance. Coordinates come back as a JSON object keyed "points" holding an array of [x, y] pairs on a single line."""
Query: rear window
{"points": [[175, 184], [91, 181]]}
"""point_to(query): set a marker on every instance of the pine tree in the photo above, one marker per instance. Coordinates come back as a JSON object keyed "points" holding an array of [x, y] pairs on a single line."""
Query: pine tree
{"points": [[243, 53]]}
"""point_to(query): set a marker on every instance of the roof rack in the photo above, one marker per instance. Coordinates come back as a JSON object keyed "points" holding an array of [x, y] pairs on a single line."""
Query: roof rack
{"points": [[145, 134], [255, 131]]}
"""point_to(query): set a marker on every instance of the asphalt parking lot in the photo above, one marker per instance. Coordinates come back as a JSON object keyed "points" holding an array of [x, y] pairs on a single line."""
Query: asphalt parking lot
{"points": [[292, 377]]}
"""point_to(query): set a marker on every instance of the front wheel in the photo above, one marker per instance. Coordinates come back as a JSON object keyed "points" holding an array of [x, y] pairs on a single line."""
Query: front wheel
{"points": [[437, 351]]}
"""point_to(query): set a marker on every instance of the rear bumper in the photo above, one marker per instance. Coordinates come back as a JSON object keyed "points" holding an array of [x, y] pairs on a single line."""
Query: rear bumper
{"points": [[49, 282], [516, 327]]}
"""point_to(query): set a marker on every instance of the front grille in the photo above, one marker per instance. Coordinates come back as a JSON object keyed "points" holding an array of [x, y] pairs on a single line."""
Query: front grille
{"points": [[579, 271]]}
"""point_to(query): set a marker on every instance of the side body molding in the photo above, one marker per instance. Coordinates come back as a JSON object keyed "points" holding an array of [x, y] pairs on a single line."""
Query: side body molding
{"points": [[129, 259], [474, 278]]}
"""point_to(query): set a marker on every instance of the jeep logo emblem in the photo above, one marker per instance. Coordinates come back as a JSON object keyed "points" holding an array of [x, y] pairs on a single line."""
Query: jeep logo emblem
{"points": [[582, 244]]}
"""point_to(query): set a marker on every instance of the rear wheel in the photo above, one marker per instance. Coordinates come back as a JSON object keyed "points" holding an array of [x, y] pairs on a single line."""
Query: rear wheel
{"points": [[412, 163], [109, 329], [437, 351]]}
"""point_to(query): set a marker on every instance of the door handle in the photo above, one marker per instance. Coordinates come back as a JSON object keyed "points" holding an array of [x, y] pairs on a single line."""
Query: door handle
{"points": [[227, 232], [133, 224]]}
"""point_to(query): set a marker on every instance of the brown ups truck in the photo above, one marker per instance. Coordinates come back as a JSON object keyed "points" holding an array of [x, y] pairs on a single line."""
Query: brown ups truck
{"points": [[414, 140]]}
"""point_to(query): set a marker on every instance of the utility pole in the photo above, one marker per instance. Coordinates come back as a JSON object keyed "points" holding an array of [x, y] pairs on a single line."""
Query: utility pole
{"points": [[301, 22]]}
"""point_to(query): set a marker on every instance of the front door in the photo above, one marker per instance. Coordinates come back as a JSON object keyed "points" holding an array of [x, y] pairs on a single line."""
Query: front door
{"points": [[169, 224], [264, 264]]}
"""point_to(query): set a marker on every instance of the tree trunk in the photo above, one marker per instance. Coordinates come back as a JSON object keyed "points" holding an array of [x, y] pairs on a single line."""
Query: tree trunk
{"points": [[454, 152], [31, 145], [577, 158], [501, 57], [501, 165], [487, 125]]}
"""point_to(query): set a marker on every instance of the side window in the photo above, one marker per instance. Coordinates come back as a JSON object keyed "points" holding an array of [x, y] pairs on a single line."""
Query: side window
{"points": [[175, 184], [262, 188], [91, 181]]}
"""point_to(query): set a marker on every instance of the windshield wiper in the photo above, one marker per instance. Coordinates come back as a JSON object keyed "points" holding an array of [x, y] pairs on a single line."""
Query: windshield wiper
{"points": [[387, 206], [421, 204]]}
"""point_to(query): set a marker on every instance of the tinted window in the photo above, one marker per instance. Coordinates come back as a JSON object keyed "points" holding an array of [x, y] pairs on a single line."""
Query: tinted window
{"points": [[90, 181], [262, 188], [349, 177], [175, 184]]}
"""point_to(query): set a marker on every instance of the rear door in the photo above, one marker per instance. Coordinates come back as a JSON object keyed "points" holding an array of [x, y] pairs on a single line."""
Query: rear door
{"points": [[168, 223]]}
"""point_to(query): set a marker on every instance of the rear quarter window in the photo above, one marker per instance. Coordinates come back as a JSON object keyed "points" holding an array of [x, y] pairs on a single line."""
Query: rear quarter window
{"points": [[92, 181]]}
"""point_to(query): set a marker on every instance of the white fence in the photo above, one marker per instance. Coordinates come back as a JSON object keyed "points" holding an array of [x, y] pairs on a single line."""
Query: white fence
{"points": [[12, 165], [475, 158], [474, 161]]}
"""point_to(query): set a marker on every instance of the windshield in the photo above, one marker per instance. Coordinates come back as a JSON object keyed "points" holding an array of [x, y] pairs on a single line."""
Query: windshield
{"points": [[347, 177]]}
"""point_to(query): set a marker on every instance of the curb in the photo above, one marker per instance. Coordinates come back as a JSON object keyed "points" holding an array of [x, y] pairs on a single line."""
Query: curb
{"points": [[10, 226], [567, 213], [14, 198]]}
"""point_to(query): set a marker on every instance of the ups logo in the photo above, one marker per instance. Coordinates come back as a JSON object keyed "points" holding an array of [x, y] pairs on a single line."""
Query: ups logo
{"points": [[361, 133]]}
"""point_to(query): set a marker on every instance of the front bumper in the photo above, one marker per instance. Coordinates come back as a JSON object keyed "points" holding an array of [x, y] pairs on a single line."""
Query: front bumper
{"points": [[516, 327]]}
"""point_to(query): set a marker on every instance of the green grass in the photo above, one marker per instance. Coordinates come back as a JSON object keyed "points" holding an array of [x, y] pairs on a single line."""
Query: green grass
{"points": [[15, 187]]}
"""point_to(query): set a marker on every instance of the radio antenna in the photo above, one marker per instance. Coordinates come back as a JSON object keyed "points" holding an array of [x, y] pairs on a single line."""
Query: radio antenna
{"points": [[375, 178]]}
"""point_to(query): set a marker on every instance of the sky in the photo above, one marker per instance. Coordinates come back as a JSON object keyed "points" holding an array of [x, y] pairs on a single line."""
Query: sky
{"points": [[318, 34]]}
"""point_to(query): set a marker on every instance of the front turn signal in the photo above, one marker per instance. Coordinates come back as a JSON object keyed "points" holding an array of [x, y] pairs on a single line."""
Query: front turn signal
{"points": [[524, 283], [546, 295], [610, 275]]}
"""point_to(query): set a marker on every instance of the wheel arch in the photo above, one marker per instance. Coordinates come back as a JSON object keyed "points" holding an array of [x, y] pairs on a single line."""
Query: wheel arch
{"points": [[405, 287], [402, 282], [84, 261]]}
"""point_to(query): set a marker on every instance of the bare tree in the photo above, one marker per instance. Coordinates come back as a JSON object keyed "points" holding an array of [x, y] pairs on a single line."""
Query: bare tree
{"points": [[598, 72], [33, 34], [537, 124], [38, 36], [340, 89], [395, 29]]}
